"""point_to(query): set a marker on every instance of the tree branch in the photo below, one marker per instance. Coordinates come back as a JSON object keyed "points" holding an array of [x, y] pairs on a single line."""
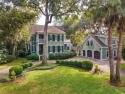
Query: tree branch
{"points": [[50, 18], [37, 5]]}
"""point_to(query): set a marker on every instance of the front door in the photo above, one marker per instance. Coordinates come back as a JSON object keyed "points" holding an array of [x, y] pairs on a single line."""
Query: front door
{"points": [[40, 49]]}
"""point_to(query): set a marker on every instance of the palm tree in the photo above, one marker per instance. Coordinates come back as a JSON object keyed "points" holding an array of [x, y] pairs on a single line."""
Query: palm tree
{"points": [[108, 13]]}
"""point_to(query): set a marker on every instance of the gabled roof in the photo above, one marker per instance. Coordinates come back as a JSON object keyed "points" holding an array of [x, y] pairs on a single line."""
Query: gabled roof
{"points": [[98, 41], [51, 29]]}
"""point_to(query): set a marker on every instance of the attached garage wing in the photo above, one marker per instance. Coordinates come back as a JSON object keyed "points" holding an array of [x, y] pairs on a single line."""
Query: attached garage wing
{"points": [[96, 54]]}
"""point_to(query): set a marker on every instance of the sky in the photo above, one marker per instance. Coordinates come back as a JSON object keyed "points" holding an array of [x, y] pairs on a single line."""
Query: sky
{"points": [[41, 20]]}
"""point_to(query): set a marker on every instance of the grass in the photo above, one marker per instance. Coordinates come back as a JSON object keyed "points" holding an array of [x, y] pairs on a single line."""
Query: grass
{"points": [[122, 65], [13, 63], [61, 80]]}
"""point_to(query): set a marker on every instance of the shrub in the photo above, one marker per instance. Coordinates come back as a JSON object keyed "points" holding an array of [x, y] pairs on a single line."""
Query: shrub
{"points": [[5, 79], [64, 55], [21, 53], [13, 75], [33, 57], [30, 64], [87, 65], [10, 58], [17, 69]]}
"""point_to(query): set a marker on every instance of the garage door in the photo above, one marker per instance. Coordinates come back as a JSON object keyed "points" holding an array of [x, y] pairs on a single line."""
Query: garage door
{"points": [[89, 53], [96, 54], [84, 52]]}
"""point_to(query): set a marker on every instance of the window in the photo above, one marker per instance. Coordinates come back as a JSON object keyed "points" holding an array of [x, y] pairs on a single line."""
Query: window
{"points": [[87, 43], [56, 37], [115, 53], [91, 43], [60, 48], [56, 48], [33, 48], [113, 41], [60, 37], [107, 54], [50, 37], [41, 36], [34, 38], [51, 48]]}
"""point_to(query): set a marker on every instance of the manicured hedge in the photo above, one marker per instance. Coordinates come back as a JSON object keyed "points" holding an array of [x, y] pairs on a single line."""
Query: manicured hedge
{"points": [[19, 69], [64, 55], [33, 57], [87, 65]]}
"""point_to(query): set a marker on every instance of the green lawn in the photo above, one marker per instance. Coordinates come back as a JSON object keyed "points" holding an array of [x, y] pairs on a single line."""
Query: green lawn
{"points": [[61, 80], [13, 63], [122, 65]]}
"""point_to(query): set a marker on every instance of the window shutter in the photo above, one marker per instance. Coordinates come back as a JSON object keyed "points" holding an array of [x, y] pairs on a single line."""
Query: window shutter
{"points": [[58, 37], [62, 49], [48, 37], [62, 38], [58, 48], [35, 48], [54, 49], [53, 37]]}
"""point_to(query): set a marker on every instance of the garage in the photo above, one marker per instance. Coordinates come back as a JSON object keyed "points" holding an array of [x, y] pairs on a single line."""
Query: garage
{"points": [[84, 52], [96, 54], [89, 53]]}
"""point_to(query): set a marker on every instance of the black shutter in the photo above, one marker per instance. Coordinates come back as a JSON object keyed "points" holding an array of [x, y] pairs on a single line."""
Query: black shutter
{"points": [[54, 49], [58, 37], [35, 48], [48, 37], [62, 49], [62, 38], [53, 37], [58, 48], [49, 49]]}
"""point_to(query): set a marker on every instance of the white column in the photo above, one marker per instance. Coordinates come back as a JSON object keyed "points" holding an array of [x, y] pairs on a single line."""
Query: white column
{"points": [[101, 54], [92, 54], [85, 53]]}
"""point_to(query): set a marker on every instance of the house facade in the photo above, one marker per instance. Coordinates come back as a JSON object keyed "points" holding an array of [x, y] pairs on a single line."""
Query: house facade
{"points": [[56, 40], [96, 46]]}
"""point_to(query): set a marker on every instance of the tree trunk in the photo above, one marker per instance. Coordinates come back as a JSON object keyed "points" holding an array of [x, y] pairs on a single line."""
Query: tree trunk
{"points": [[119, 56], [111, 59], [45, 45], [14, 49]]}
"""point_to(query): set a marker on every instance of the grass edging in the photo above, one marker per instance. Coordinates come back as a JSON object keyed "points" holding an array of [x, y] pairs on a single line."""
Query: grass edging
{"points": [[40, 67]]}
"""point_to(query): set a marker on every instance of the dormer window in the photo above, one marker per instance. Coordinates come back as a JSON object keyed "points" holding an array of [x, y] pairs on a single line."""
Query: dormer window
{"points": [[91, 43], [87, 43]]}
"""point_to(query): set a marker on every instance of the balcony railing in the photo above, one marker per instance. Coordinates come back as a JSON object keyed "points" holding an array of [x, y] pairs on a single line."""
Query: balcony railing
{"points": [[40, 40]]}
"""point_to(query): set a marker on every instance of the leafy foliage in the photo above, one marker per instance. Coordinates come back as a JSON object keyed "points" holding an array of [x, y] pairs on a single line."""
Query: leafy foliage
{"points": [[33, 57], [87, 65], [64, 55]]}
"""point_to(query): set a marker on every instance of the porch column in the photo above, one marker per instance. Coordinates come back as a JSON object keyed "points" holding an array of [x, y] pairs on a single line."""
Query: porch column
{"points": [[85, 53], [92, 54], [101, 54]]}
